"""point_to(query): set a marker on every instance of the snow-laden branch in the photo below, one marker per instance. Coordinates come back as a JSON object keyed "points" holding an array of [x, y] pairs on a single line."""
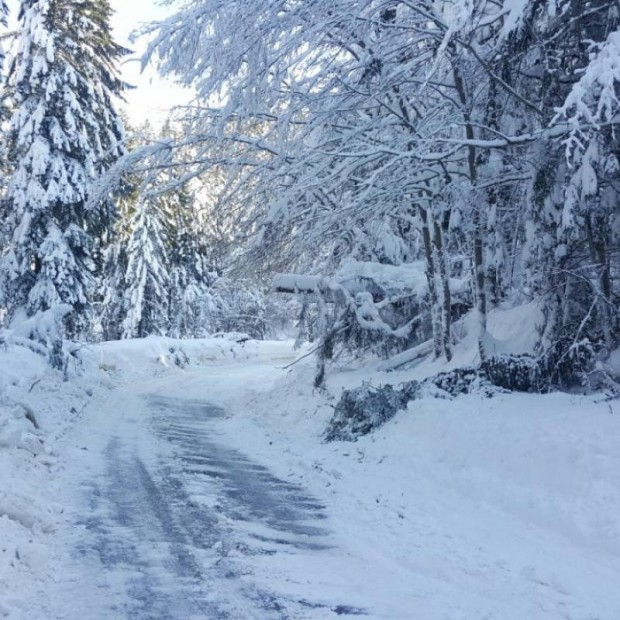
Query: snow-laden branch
{"points": [[558, 130], [109, 182], [593, 102]]}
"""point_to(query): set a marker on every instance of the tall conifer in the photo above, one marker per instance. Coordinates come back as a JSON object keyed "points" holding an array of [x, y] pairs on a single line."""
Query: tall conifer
{"points": [[64, 131]]}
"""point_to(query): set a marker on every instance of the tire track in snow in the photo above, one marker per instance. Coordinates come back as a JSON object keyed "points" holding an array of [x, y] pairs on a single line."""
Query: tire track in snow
{"points": [[169, 554]]}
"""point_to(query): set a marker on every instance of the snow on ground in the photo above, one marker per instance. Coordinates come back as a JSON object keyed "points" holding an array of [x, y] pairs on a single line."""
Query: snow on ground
{"points": [[472, 508], [36, 409], [505, 508]]}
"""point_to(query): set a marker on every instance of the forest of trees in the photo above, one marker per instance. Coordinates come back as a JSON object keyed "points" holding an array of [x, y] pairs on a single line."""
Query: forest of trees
{"points": [[356, 143], [141, 259]]}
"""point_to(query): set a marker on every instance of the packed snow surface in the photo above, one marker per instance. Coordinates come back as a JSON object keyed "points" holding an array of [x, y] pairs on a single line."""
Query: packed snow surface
{"points": [[187, 480]]}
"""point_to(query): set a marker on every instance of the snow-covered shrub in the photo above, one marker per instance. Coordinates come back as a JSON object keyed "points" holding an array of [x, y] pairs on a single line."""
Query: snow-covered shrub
{"points": [[562, 366], [455, 382], [519, 373], [363, 409], [567, 364], [45, 329]]}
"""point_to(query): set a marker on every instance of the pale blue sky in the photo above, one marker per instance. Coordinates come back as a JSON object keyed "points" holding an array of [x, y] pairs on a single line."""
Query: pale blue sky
{"points": [[153, 96]]}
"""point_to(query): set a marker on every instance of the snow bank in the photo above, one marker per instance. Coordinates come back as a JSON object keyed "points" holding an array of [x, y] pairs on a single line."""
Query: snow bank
{"points": [[36, 408], [125, 359], [511, 331]]}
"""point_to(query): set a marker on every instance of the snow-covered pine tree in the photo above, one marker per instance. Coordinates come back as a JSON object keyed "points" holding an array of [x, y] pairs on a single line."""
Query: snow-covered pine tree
{"points": [[110, 304], [171, 218], [190, 279], [64, 131], [572, 210], [145, 300], [114, 270]]}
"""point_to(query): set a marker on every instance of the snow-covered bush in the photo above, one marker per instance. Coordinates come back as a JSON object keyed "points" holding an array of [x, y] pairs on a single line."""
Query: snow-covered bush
{"points": [[43, 333], [519, 373], [568, 363], [363, 409], [563, 365], [454, 383]]}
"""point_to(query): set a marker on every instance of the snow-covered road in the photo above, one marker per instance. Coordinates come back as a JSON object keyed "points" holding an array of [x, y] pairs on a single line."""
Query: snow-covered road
{"points": [[173, 514]]}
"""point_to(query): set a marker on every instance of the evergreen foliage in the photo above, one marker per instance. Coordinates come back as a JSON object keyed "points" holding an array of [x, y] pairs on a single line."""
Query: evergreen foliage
{"points": [[156, 278], [190, 275], [63, 133], [145, 298]]}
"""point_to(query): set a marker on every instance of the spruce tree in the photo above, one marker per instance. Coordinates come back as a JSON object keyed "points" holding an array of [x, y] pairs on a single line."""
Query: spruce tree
{"points": [[157, 278], [63, 132], [145, 300], [190, 277], [114, 271]]}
